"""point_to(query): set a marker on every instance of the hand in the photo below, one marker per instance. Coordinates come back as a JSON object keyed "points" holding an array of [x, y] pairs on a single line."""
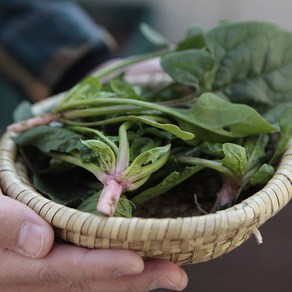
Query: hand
{"points": [[29, 261]]}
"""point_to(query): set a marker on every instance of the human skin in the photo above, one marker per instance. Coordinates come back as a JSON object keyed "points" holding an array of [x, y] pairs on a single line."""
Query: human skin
{"points": [[30, 260]]}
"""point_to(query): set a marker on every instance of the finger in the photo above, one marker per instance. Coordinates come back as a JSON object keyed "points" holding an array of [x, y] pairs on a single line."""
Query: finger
{"points": [[156, 274], [66, 263], [22, 230]]}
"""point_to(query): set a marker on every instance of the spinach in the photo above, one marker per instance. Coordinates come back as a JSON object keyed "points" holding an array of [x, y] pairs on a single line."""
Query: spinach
{"points": [[192, 67], [252, 63], [108, 162], [228, 119], [226, 115]]}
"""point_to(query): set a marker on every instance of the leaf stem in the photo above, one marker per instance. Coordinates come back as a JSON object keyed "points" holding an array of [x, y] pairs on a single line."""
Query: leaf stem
{"points": [[119, 66], [216, 165], [109, 197], [123, 153], [95, 112]]}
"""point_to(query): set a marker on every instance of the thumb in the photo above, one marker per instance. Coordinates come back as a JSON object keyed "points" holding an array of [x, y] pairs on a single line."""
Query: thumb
{"points": [[22, 230]]}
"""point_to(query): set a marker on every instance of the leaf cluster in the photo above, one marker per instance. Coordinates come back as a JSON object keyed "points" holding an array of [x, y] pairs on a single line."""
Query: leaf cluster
{"points": [[226, 113]]}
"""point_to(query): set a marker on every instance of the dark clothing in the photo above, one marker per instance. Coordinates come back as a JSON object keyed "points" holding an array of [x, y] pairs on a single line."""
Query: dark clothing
{"points": [[46, 46]]}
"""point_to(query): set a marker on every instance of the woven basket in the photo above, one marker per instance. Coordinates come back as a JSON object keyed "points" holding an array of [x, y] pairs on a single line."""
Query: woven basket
{"points": [[185, 240]]}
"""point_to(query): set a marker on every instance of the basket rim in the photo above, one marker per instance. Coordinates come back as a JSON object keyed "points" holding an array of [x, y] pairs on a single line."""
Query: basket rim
{"points": [[259, 207]]}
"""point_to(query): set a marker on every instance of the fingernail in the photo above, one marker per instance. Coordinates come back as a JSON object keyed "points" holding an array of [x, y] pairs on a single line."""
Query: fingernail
{"points": [[126, 270], [165, 283], [31, 239]]}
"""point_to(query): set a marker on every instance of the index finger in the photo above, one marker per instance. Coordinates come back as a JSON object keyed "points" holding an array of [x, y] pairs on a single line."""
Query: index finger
{"points": [[66, 263]]}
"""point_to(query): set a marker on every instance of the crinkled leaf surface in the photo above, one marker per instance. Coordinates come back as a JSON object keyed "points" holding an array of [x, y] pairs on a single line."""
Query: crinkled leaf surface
{"points": [[190, 67], [253, 62], [106, 158]]}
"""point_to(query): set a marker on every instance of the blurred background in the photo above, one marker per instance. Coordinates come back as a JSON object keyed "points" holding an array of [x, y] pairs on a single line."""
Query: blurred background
{"points": [[251, 267], [172, 17]]}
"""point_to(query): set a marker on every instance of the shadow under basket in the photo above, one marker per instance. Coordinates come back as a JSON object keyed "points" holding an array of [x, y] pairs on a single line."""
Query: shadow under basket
{"points": [[185, 240]]}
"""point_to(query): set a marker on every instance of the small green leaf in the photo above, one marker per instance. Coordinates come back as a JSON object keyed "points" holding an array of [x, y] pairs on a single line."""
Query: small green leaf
{"points": [[255, 147], [213, 149], [263, 175], [124, 208], [190, 67], [106, 157], [195, 39], [95, 134], [154, 36], [139, 145], [285, 135], [170, 181], [147, 163], [235, 158]]}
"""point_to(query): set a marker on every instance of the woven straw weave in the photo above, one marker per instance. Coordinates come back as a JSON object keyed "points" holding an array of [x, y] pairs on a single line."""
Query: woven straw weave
{"points": [[182, 240]]}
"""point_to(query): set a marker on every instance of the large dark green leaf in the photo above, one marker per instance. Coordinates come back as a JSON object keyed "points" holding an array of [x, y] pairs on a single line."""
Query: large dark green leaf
{"points": [[222, 118], [47, 139], [68, 188], [170, 181], [254, 62]]}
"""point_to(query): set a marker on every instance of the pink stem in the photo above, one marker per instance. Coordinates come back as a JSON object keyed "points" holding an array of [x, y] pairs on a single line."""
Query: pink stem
{"points": [[226, 194], [109, 197], [33, 122]]}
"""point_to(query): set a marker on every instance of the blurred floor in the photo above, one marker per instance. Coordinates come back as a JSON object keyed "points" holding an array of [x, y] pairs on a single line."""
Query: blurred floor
{"points": [[251, 267]]}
